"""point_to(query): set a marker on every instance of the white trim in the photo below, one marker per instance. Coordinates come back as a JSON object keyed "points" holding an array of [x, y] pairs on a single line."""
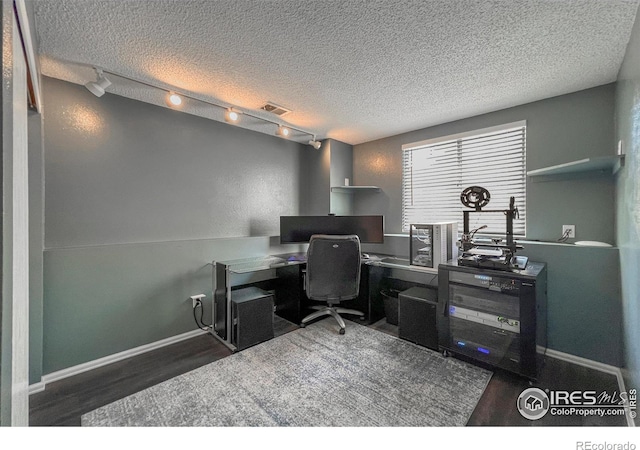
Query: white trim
{"points": [[37, 387], [601, 367], [580, 361], [80, 368], [19, 265], [452, 137], [30, 52]]}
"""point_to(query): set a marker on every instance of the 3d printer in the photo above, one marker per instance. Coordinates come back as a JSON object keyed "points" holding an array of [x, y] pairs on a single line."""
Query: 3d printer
{"points": [[493, 254]]}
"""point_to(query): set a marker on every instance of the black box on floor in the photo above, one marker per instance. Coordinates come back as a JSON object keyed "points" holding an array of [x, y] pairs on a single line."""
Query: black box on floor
{"points": [[252, 316], [417, 316]]}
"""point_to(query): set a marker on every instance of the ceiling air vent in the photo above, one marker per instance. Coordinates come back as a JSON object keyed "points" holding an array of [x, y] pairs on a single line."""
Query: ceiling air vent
{"points": [[275, 109]]}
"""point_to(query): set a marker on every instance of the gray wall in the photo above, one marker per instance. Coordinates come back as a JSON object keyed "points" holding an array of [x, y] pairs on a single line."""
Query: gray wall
{"points": [[584, 305], [628, 202], [584, 310], [341, 168], [139, 199], [101, 300], [314, 182], [324, 168], [121, 171]]}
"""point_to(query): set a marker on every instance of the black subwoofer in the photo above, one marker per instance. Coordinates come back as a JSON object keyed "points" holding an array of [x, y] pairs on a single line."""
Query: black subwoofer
{"points": [[417, 316], [252, 316]]}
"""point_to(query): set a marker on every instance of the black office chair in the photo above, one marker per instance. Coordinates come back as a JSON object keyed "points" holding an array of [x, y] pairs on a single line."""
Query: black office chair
{"points": [[333, 275]]}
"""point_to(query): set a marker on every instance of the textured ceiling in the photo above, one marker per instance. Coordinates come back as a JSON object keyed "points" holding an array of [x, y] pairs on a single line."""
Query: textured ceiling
{"points": [[354, 70]]}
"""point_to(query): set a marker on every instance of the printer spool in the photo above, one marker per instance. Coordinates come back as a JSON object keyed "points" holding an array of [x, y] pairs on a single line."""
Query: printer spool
{"points": [[475, 197]]}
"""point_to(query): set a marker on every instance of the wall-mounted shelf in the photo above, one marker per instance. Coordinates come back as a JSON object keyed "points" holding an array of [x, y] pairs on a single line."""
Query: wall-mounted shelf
{"points": [[353, 189], [610, 164]]}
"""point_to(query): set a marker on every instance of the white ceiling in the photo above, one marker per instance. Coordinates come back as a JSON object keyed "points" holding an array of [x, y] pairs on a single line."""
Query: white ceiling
{"points": [[355, 70]]}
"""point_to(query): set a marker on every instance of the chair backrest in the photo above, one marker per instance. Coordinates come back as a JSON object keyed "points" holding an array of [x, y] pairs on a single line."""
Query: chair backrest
{"points": [[333, 268]]}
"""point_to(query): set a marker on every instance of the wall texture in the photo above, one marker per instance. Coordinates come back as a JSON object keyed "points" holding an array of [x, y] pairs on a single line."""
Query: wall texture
{"points": [[341, 168], [314, 182], [139, 199], [101, 300], [122, 171], [584, 306], [628, 202]]}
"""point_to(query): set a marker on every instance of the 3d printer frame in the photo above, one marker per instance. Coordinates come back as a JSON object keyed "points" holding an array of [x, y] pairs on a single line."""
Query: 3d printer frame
{"points": [[510, 214]]}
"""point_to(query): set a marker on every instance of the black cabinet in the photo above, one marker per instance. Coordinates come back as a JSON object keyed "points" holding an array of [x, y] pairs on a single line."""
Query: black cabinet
{"points": [[497, 318]]}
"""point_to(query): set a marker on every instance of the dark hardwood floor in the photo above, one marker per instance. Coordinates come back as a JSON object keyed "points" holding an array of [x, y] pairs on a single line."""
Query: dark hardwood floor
{"points": [[65, 401]]}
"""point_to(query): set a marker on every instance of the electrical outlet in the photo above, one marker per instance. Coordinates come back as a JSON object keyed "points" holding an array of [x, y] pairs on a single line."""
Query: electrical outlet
{"points": [[569, 231], [195, 299]]}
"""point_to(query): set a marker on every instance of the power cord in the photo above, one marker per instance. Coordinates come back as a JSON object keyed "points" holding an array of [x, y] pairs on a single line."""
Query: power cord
{"points": [[565, 236], [200, 323], [473, 232]]}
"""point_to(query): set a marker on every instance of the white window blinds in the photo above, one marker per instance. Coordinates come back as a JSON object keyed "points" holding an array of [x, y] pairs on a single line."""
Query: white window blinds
{"points": [[435, 172]]}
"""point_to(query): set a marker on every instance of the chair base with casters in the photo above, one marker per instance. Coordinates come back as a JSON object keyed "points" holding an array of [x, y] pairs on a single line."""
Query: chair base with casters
{"points": [[332, 275], [330, 310]]}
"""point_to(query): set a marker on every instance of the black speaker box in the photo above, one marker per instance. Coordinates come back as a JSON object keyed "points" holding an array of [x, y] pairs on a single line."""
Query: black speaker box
{"points": [[252, 316], [417, 316]]}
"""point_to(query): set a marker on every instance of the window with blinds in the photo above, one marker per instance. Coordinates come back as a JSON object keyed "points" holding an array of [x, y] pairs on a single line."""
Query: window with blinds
{"points": [[435, 172]]}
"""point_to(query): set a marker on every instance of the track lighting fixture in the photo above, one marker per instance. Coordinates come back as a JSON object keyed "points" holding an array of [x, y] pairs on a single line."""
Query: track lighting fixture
{"points": [[97, 87], [174, 99], [315, 144], [231, 116], [283, 131]]}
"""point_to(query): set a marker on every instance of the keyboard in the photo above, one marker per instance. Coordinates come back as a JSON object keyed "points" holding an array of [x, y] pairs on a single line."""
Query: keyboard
{"points": [[254, 264]]}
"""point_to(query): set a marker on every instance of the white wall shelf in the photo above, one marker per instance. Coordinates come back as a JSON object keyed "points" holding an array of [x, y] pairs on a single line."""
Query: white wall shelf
{"points": [[354, 189], [609, 164]]}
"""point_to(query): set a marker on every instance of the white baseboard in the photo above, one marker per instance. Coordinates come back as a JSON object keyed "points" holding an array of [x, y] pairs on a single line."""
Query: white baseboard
{"points": [[75, 370], [36, 387], [584, 362]]}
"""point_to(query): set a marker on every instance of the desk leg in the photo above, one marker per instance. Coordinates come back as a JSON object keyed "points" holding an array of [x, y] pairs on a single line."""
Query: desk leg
{"points": [[376, 309], [289, 293], [222, 325]]}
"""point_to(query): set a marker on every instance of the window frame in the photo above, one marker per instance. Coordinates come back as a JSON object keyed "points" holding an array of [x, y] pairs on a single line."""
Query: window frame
{"points": [[466, 135]]}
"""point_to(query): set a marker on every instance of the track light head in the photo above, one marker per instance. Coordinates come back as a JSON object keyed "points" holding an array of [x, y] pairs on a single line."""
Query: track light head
{"points": [[97, 88], [283, 131], [231, 116], [315, 144], [173, 99]]}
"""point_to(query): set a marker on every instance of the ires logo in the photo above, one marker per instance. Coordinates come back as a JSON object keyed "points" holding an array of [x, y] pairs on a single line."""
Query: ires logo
{"points": [[575, 398], [535, 403]]}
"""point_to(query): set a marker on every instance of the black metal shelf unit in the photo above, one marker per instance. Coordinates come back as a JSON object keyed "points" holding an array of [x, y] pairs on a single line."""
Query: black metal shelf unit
{"points": [[493, 317]]}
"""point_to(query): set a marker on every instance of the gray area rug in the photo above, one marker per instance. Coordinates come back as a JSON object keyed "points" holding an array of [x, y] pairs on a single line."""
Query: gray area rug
{"points": [[311, 377]]}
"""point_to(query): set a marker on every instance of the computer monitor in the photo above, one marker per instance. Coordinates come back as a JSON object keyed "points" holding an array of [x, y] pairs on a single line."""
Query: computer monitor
{"points": [[297, 229]]}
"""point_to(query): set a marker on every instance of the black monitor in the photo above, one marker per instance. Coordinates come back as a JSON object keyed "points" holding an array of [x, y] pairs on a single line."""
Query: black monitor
{"points": [[297, 229]]}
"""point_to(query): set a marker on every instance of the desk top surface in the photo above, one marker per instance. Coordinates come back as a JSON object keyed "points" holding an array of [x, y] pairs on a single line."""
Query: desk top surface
{"points": [[397, 263], [254, 264]]}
